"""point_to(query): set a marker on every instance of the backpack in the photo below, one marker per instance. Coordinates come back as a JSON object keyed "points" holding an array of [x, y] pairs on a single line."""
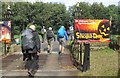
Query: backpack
{"points": [[27, 39], [60, 34], [50, 34], [43, 31]]}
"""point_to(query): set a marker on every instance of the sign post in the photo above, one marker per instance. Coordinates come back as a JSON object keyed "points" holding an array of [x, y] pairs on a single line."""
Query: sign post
{"points": [[80, 55], [5, 36], [86, 31], [86, 61]]}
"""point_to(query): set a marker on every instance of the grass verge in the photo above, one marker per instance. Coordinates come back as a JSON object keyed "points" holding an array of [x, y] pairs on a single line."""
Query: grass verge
{"points": [[103, 62]]}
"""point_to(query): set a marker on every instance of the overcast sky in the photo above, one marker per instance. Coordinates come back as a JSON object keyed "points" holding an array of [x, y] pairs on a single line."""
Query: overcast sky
{"points": [[72, 2]]}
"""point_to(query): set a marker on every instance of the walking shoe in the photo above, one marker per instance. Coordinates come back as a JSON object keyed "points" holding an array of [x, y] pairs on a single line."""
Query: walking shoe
{"points": [[48, 51], [59, 52], [30, 74]]}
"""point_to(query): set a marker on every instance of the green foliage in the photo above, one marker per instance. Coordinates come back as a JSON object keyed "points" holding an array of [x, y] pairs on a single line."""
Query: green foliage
{"points": [[98, 11], [86, 13], [114, 38], [0, 10], [39, 13], [55, 15]]}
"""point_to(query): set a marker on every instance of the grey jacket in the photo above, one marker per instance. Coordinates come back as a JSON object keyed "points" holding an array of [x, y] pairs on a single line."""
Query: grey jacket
{"points": [[37, 43]]}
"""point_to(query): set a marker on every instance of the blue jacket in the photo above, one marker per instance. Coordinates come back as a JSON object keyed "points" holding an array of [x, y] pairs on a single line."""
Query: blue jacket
{"points": [[62, 32]]}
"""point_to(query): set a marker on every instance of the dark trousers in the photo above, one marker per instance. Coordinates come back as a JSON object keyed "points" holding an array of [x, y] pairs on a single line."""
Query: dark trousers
{"points": [[32, 61]]}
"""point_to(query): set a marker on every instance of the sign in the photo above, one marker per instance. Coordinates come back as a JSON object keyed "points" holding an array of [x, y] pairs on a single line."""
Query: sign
{"points": [[86, 30], [5, 31]]}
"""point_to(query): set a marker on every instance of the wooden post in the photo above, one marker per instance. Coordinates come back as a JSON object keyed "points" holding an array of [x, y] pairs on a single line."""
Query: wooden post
{"points": [[80, 54], [119, 56], [5, 47], [86, 61], [119, 44]]}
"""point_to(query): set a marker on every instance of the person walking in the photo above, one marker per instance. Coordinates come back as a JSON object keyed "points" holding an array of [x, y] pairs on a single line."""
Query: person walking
{"points": [[43, 34], [30, 49], [50, 35], [61, 34]]}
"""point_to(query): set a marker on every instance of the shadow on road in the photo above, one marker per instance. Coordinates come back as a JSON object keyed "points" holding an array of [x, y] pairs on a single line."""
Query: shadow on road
{"points": [[32, 66]]}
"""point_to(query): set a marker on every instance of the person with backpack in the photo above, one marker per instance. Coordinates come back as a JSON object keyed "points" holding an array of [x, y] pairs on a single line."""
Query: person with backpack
{"points": [[50, 36], [43, 34], [30, 48], [61, 34]]}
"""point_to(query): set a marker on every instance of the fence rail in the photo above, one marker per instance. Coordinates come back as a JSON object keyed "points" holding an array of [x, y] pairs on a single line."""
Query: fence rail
{"points": [[78, 54]]}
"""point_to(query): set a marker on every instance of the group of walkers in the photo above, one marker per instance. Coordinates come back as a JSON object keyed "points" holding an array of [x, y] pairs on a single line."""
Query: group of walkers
{"points": [[31, 45]]}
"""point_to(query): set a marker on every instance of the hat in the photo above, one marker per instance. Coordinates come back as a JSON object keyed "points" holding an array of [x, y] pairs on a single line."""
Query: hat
{"points": [[50, 28], [32, 27], [43, 26], [62, 27]]}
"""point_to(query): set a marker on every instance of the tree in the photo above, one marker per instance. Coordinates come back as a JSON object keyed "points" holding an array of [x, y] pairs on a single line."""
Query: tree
{"points": [[55, 14], [113, 10], [85, 10], [39, 13], [97, 10]]}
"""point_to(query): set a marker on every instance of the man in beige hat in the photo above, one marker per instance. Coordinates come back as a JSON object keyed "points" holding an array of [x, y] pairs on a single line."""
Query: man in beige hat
{"points": [[30, 48], [32, 27]]}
